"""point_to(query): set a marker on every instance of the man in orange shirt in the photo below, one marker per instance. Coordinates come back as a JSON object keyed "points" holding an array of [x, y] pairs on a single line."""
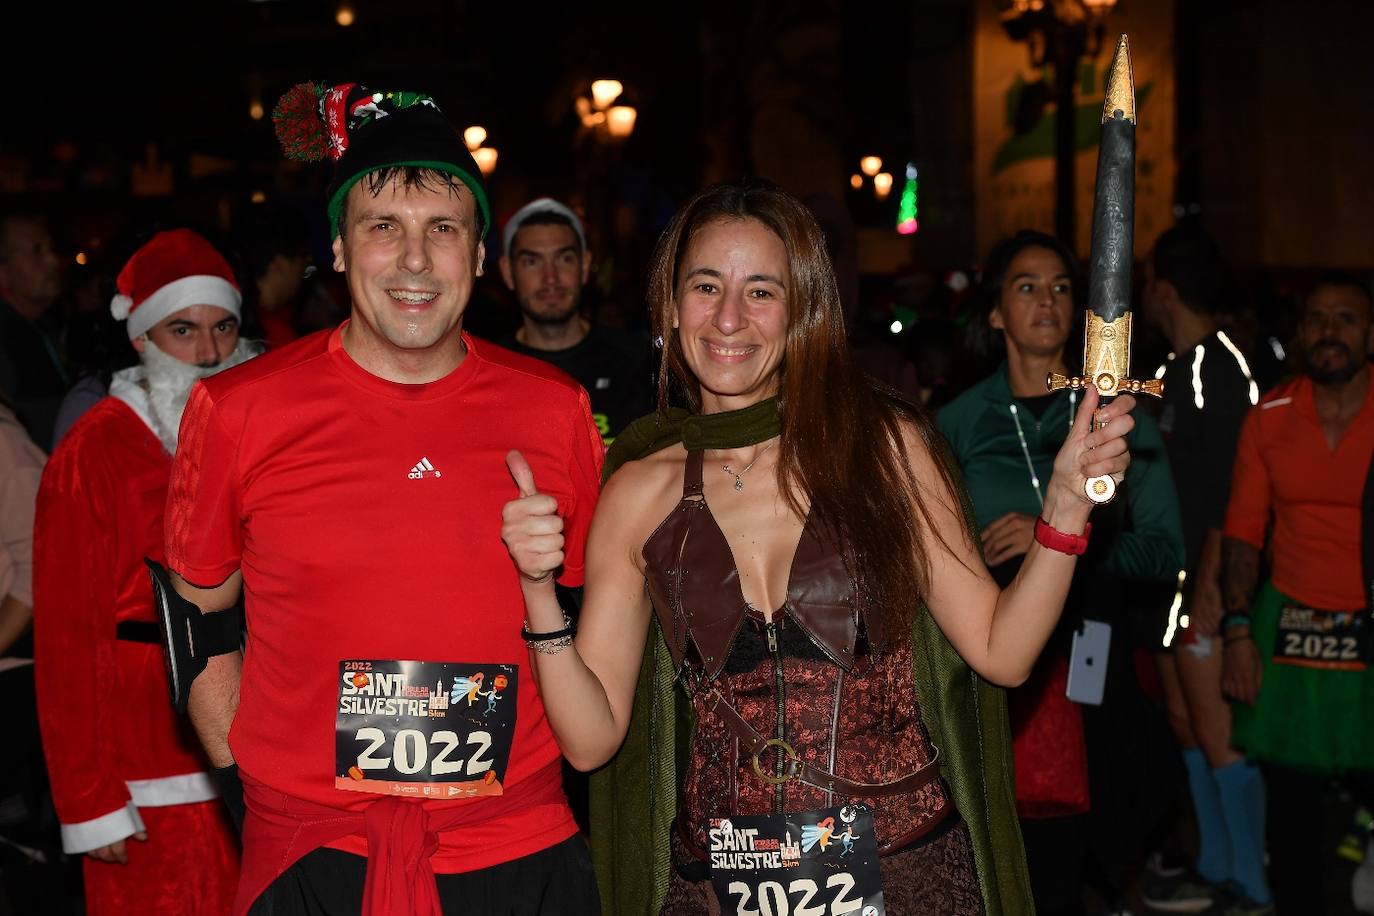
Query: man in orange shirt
{"points": [[1298, 650]]}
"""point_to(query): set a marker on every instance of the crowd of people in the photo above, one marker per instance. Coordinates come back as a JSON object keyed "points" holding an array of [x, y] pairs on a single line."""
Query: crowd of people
{"points": [[312, 614]]}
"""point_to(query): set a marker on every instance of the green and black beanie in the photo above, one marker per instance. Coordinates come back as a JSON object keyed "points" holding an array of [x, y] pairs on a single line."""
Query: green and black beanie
{"points": [[362, 131]]}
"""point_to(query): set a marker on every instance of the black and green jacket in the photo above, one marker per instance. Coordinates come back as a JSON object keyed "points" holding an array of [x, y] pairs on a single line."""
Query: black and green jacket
{"points": [[1147, 543]]}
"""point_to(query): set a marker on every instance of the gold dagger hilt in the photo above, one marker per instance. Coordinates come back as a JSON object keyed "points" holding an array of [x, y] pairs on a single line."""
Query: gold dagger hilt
{"points": [[1106, 346]]}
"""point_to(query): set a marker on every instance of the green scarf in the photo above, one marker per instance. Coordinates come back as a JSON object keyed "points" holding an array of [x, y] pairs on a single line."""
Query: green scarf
{"points": [[634, 797]]}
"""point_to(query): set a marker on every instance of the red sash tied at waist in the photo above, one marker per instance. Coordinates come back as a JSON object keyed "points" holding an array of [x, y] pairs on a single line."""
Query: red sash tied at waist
{"points": [[401, 834]]}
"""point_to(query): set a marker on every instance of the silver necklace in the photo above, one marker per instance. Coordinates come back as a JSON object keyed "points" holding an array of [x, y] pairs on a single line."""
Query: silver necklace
{"points": [[1025, 449], [739, 478]]}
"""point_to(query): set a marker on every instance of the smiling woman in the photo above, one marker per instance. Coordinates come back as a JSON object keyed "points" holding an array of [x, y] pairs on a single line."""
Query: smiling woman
{"points": [[732, 313], [775, 553]]}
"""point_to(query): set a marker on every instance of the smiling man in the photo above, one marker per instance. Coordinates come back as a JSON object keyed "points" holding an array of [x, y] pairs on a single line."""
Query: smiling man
{"points": [[393, 749]]}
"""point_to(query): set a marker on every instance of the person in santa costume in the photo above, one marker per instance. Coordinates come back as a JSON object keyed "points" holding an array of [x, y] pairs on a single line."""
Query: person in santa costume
{"points": [[129, 781]]}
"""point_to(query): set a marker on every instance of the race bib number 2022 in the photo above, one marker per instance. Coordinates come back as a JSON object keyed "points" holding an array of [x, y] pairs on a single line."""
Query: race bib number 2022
{"points": [[1330, 640], [810, 863], [423, 729]]}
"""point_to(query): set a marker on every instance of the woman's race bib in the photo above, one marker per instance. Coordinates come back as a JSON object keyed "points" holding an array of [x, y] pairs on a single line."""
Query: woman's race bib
{"points": [[423, 729], [812, 863]]}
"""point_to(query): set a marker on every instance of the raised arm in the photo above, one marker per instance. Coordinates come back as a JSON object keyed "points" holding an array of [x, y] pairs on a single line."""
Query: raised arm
{"points": [[595, 677], [1000, 633]]}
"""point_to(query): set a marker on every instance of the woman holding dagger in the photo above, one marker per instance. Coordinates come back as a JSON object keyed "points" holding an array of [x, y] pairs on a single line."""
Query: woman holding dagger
{"points": [[785, 540]]}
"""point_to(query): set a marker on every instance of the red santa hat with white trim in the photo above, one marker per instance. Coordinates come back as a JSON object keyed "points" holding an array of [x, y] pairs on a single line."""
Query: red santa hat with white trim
{"points": [[173, 271]]}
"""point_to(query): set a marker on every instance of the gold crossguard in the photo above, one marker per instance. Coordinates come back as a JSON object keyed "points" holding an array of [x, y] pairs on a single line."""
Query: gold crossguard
{"points": [[1106, 361]]}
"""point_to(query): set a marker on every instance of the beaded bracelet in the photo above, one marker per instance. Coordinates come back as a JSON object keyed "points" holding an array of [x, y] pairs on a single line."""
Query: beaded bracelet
{"points": [[552, 642]]}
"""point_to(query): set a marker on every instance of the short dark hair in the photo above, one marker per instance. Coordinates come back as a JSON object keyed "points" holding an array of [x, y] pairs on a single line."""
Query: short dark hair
{"points": [[1340, 279], [989, 293], [549, 218], [1189, 259], [411, 176]]}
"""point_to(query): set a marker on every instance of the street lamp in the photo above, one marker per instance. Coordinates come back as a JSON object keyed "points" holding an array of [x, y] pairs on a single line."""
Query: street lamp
{"points": [[486, 159], [474, 137], [601, 117], [604, 92], [882, 185], [1060, 33]]}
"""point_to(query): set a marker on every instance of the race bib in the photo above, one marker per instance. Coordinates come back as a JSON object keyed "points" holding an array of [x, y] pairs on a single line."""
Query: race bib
{"points": [[1332, 640], [813, 863], [423, 729]]}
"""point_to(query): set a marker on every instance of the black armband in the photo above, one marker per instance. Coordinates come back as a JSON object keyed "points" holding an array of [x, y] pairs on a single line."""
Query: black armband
{"points": [[190, 638]]}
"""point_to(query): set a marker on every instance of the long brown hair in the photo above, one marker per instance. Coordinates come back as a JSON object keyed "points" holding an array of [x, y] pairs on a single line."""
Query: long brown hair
{"points": [[842, 447]]}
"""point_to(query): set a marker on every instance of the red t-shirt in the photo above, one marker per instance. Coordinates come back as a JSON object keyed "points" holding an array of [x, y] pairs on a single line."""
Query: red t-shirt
{"points": [[366, 518]]}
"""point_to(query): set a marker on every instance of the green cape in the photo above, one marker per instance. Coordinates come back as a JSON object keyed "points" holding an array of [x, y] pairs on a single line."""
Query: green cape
{"points": [[634, 797]]}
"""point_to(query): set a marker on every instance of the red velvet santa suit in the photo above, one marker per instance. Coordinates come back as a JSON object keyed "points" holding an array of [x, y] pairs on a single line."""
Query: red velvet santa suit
{"points": [[120, 759]]}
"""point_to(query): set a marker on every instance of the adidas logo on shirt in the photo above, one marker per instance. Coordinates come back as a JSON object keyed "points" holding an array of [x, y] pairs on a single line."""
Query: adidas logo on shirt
{"points": [[423, 469]]}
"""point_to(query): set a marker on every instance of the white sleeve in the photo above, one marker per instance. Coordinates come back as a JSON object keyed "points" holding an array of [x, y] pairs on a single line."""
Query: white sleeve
{"points": [[102, 831]]}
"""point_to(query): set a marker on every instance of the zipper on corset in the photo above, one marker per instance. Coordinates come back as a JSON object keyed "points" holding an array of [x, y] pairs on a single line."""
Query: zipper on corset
{"points": [[779, 761]]}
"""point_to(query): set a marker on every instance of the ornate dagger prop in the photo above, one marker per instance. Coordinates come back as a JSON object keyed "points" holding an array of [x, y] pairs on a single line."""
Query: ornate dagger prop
{"points": [[1107, 333]]}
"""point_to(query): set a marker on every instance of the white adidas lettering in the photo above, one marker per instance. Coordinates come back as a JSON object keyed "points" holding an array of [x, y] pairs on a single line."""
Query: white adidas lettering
{"points": [[424, 469]]}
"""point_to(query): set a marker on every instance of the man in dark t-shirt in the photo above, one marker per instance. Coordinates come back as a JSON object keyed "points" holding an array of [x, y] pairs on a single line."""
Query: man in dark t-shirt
{"points": [[1208, 388], [546, 264]]}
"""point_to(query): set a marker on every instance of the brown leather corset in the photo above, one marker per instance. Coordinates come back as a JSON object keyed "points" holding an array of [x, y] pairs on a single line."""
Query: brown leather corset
{"points": [[805, 679]]}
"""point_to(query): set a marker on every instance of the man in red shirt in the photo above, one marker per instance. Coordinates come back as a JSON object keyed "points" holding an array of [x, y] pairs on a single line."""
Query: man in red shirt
{"points": [[129, 781], [392, 744], [1298, 650]]}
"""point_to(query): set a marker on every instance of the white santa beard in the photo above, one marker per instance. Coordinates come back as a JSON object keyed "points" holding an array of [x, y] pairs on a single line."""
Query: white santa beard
{"points": [[169, 381]]}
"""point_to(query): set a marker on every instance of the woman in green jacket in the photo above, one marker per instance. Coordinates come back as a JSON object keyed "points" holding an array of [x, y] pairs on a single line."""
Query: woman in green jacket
{"points": [[795, 560], [1004, 433]]}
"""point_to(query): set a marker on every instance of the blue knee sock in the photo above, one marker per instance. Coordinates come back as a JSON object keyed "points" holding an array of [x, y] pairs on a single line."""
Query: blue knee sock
{"points": [[1242, 802], [1214, 840]]}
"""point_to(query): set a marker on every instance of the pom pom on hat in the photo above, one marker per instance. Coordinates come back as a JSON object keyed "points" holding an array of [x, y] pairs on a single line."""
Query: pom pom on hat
{"points": [[173, 271], [362, 130], [299, 124]]}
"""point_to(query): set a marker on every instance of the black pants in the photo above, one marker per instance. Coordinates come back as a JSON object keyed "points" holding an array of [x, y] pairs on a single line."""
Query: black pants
{"points": [[1298, 855], [558, 880]]}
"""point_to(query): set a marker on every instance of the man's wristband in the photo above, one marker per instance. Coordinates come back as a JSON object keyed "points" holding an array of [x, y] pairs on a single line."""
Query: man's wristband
{"points": [[1053, 539], [1234, 620]]}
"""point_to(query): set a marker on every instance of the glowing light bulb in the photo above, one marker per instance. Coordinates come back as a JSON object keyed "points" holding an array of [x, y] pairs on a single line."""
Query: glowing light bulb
{"points": [[486, 158], [620, 121], [604, 92]]}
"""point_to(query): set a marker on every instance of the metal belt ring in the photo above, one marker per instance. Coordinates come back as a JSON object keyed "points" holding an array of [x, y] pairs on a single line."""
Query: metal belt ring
{"points": [[783, 747]]}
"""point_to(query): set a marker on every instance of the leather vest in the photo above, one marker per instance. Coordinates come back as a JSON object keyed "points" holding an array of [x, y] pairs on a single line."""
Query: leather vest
{"points": [[844, 723]]}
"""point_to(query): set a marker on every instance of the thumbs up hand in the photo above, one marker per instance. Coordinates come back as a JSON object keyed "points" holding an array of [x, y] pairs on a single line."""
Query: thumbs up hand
{"points": [[531, 526]]}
